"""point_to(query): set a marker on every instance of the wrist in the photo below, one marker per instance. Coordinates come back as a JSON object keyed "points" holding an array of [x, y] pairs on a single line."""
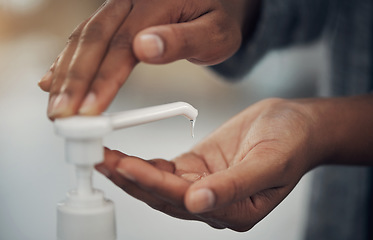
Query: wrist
{"points": [[343, 130]]}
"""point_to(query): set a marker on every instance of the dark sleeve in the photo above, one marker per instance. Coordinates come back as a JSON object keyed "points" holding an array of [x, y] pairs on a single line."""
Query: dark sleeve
{"points": [[281, 23]]}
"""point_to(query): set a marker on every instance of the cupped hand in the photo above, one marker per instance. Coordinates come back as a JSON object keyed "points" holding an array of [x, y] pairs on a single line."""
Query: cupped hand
{"points": [[102, 51], [233, 178]]}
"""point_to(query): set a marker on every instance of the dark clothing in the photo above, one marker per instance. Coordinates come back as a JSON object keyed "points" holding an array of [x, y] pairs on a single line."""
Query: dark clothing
{"points": [[341, 197], [347, 25]]}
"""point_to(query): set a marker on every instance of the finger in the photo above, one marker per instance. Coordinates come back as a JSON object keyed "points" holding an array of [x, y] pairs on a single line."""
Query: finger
{"points": [[58, 75], [163, 184], [163, 165], [46, 81], [260, 170], [55, 99], [108, 168], [86, 50], [120, 60], [202, 41]]}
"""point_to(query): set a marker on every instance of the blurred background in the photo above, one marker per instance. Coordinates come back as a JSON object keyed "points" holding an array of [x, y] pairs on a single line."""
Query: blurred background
{"points": [[33, 174]]}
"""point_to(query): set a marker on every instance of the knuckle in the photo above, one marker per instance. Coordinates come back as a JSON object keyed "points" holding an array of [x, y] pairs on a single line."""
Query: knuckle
{"points": [[112, 82], [117, 8], [76, 79], [73, 38], [92, 32], [122, 40], [101, 76], [75, 35], [74, 75]]}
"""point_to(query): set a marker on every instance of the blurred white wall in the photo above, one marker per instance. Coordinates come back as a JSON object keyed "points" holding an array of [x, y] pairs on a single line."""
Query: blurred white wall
{"points": [[33, 174]]}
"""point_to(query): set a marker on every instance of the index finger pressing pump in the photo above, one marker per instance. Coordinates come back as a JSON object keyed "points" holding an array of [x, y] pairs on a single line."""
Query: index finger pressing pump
{"points": [[85, 213]]}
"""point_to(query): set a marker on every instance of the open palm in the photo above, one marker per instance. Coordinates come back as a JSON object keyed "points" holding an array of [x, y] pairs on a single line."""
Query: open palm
{"points": [[233, 178]]}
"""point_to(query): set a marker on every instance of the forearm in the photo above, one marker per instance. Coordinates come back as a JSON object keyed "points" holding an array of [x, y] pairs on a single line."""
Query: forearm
{"points": [[345, 130]]}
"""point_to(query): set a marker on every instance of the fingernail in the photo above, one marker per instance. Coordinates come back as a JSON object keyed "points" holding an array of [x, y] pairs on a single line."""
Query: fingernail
{"points": [[152, 45], [125, 174], [103, 170], [88, 103], [203, 199], [58, 104]]}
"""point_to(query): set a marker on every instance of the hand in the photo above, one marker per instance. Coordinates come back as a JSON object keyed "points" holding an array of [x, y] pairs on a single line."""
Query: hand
{"points": [[103, 50], [237, 175]]}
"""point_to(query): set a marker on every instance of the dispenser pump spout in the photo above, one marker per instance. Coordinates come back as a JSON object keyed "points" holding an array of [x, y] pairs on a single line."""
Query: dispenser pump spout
{"points": [[86, 208], [151, 114], [84, 134], [83, 127]]}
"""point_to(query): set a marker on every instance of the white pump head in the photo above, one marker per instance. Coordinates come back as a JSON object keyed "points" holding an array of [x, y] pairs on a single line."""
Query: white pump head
{"points": [[84, 134], [86, 214]]}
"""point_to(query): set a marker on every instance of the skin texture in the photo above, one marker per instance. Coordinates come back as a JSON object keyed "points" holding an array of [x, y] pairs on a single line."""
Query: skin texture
{"points": [[103, 50], [243, 170]]}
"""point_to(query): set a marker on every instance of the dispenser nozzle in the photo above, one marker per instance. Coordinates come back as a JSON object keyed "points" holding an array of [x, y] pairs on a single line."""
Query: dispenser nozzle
{"points": [[85, 206], [84, 134], [88, 127], [151, 114]]}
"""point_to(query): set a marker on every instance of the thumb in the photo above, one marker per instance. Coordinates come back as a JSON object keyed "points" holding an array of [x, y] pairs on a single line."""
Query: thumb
{"points": [[233, 184], [200, 41]]}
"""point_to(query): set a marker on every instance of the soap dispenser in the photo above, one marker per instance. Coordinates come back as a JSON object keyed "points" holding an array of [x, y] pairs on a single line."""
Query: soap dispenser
{"points": [[86, 214]]}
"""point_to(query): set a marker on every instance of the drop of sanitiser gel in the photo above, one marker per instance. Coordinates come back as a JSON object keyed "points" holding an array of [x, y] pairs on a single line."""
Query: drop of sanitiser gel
{"points": [[192, 124]]}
